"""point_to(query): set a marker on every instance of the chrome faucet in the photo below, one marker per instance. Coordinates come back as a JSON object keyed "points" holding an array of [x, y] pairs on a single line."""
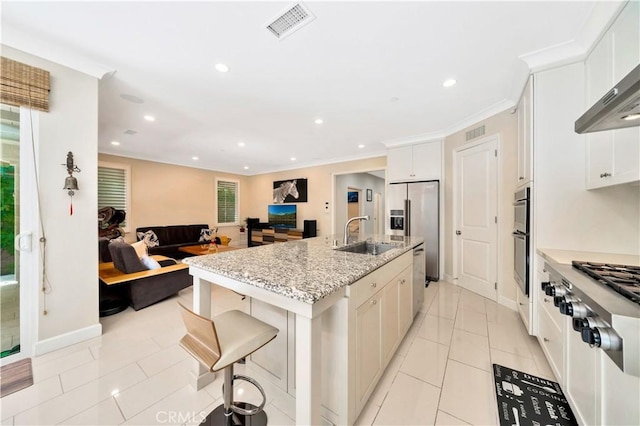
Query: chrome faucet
{"points": [[346, 227]]}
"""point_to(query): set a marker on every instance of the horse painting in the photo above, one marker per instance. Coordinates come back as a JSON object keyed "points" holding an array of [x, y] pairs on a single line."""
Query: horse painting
{"points": [[285, 189]]}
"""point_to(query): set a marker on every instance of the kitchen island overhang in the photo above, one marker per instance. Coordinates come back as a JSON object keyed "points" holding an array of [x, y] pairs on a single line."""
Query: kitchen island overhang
{"points": [[307, 278]]}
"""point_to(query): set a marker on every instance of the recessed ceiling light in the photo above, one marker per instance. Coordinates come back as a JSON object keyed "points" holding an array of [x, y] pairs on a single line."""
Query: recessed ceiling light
{"points": [[246, 167], [449, 83], [319, 121], [635, 116], [222, 67], [241, 144], [293, 158], [149, 118], [194, 158], [115, 143], [361, 146]]}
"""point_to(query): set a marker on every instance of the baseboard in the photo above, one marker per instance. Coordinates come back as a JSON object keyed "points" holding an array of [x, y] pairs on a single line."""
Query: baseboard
{"points": [[67, 339], [449, 278], [511, 304]]}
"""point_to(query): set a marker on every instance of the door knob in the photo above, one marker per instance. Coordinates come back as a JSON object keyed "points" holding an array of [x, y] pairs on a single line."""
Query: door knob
{"points": [[458, 233]]}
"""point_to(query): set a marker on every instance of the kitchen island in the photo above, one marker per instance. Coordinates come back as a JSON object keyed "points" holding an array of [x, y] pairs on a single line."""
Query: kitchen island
{"points": [[359, 305]]}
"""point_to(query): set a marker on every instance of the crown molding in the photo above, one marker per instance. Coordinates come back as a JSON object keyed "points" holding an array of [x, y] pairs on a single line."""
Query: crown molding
{"points": [[45, 49], [575, 50], [420, 138], [476, 118]]}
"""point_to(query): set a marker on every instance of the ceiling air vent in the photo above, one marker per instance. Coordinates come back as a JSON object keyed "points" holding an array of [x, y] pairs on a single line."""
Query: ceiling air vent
{"points": [[474, 133], [290, 20], [130, 132]]}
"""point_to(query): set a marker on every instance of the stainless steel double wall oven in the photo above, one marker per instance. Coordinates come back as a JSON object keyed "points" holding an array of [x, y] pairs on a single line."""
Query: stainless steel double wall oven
{"points": [[521, 236]]}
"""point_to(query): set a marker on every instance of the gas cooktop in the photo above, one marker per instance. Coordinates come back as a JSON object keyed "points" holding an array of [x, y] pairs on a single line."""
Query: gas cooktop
{"points": [[622, 278]]}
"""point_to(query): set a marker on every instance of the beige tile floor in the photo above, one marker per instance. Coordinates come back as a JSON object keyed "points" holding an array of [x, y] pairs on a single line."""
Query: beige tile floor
{"points": [[136, 374]]}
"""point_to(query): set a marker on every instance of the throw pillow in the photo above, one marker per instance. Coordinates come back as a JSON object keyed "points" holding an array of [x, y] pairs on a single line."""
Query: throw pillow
{"points": [[150, 262], [141, 248], [150, 238], [205, 236]]}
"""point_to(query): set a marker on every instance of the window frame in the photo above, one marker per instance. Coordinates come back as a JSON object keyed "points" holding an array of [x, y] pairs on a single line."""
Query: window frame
{"points": [[237, 206], [127, 180]]}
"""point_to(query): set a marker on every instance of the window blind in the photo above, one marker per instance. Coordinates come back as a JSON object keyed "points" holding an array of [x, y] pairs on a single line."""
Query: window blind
{"points": [[24, 85], [227, 202], [112, 189]]}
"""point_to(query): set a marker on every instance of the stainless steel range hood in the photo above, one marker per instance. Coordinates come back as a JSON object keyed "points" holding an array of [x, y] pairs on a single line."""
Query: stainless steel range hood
{"points": [[616, 109]]}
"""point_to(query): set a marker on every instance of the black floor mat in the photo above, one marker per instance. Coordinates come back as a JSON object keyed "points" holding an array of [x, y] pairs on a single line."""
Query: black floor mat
{"points": [[525, 400]]}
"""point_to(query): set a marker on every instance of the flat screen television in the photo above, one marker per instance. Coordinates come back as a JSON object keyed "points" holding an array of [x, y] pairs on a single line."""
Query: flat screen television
{"points": [[283, 215], [352, 196]]}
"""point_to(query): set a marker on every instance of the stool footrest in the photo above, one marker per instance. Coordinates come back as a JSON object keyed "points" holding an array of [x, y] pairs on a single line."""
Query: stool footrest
{"points": [[240, 410]]}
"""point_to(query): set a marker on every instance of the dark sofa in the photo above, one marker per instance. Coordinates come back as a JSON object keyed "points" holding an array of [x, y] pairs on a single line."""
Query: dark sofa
{"points": [[172, 237], [141, 286]]}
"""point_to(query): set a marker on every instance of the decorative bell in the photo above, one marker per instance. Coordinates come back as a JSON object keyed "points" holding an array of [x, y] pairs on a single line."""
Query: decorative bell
{"points": [[70, 183]]}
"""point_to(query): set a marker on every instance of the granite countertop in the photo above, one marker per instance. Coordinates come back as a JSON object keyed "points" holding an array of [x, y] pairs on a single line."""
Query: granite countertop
{"points": [[306, 270]]}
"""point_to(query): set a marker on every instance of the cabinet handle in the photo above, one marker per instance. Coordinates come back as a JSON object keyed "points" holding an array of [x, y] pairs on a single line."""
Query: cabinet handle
{"points": [[374, 301], [402, 282], [605, 174], [521, 304], [521, 178], [544, 339], [374, 285], [546, 300], [544, 269]]}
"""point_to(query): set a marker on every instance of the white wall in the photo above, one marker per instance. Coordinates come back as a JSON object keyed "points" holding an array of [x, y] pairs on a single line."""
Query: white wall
{"points": [[504, 124], [568, 216], [362, 181], [319, 184], [72, 253]]}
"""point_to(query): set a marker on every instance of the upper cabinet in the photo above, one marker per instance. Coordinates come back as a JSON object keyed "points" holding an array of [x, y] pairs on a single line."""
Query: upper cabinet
{"points": [[525, 134], [421, 161], [613, 156]]}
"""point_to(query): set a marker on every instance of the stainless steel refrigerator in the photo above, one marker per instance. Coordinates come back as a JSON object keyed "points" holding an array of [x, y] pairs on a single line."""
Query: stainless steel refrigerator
{"points": [[414, 210]]}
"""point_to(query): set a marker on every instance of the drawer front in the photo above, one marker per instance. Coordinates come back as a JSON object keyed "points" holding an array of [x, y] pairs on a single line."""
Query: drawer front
{"points": [[551, 338], [523, 307], [546, 304], [370, 284]]}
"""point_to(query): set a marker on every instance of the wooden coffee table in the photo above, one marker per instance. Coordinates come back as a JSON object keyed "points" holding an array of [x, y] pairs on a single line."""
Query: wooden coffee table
{"points": [[201, 249]]}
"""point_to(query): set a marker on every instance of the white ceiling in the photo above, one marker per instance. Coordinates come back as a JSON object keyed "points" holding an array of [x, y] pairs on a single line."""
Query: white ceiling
{"points": [[373, 71]]}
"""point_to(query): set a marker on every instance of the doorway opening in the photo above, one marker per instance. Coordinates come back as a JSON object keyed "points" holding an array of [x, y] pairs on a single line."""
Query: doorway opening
{"points": [[370, 187]]}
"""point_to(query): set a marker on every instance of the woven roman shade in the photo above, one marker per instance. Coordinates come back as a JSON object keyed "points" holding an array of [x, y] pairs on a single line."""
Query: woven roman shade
{"points": [[24, 85]]}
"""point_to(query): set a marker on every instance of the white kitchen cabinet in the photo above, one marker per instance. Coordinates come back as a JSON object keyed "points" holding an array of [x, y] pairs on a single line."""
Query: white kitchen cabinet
{"points": [[415, 162], [613, 156], [581, 376], [381, 321], [368, 347], [405, 303], [524, 308], [551, 338], [619, 395], [390, 318], [551, 330], [360, 336], [525, 134]]}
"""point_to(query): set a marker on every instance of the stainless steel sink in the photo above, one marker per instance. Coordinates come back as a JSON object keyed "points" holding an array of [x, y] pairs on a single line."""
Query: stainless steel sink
{"points": [[368, 247]]}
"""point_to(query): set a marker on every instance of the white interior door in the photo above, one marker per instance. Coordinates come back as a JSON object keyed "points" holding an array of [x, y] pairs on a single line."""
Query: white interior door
{"points": [[378, 214], [476, 216]]}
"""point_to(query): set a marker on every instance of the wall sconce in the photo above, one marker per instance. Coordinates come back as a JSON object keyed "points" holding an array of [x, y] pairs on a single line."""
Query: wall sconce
{"points": [[71, 183]]}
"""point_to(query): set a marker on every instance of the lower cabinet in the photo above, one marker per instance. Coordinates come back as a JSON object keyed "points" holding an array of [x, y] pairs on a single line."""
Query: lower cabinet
{"points": [[381, 323], [368, 347], [359, 338]]}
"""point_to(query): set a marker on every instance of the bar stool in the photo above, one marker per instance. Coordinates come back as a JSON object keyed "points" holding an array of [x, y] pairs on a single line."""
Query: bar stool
{"points": [[219, 343]]}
